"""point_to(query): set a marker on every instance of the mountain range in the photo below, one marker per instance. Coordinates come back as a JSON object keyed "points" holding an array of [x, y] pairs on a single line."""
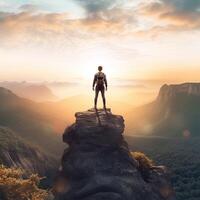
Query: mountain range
{"points": [[30, 132]]}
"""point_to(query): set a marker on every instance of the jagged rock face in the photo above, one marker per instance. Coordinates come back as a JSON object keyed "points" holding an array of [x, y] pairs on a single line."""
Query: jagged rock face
{"points": [[169, 91], [98, 165]]}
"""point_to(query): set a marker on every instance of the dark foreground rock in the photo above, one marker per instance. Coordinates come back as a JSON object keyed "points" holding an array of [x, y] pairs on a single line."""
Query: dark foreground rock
{"points": [[98, 165]]}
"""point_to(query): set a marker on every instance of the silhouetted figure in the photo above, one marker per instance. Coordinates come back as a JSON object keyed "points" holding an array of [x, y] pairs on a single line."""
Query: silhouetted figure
{"points": [[100, 84]]}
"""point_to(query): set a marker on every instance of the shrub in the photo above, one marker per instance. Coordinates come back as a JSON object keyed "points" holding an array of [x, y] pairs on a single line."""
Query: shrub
{"points": [[142, 159], [144, 164], [13, 186]]}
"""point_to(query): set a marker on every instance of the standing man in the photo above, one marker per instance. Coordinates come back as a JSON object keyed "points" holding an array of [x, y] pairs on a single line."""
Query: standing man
{"points": [[100, 82]]}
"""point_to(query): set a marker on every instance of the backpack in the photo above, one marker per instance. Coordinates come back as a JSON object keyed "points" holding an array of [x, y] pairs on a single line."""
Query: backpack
{"points": [[100, 78]]}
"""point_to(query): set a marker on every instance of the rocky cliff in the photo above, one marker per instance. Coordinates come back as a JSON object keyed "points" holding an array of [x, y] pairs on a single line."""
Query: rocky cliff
{"points": [[175, 113], [169, 91], [98, 165]]}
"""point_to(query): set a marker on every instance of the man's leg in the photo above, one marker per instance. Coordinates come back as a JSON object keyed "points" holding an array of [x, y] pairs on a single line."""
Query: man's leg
{"points": [[96, 97], [103, 97]]}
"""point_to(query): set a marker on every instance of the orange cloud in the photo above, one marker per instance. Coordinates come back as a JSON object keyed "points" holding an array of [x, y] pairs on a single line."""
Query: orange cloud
{"points": [[37, 27], [26, 27]]}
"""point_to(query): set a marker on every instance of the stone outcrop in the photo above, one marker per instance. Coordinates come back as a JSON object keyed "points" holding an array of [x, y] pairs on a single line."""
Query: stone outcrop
{"points": [[97, 165]]}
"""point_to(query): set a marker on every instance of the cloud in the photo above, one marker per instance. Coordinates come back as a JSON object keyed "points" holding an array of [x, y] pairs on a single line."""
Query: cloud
{"points": [[93, 6], [29, 26], [29, 8], [180, 14], [102, 15], [107, 12], [104, 18]]}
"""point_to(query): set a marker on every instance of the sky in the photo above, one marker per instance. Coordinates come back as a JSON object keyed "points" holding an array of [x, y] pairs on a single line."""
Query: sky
{"points": [[65, 40]]}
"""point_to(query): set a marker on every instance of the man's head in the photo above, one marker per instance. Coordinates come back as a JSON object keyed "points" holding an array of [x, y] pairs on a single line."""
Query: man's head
{"points": [[100, 68]]}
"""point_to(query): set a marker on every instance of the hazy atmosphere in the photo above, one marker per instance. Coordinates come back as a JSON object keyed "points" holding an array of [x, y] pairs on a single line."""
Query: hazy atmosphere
{"points": [[51, 57], [141, 44]]}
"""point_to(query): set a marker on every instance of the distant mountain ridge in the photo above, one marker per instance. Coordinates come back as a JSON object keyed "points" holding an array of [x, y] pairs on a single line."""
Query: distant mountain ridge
{"points": [[175, 112], [32, 91]]}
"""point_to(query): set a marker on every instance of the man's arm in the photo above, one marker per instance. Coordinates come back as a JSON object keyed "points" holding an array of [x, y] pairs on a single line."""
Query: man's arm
{"points": [[94, 81], [105, 81]]}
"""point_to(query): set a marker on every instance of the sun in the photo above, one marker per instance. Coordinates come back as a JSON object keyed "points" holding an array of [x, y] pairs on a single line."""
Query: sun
{"points": [[99, 57]]}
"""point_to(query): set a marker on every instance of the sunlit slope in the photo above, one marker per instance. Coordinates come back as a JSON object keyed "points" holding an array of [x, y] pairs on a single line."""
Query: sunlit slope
{"points": [[32, 121], [16, 152]]}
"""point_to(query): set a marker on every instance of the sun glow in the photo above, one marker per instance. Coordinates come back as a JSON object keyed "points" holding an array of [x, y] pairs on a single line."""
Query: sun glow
{"points": [[98, 57]]}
